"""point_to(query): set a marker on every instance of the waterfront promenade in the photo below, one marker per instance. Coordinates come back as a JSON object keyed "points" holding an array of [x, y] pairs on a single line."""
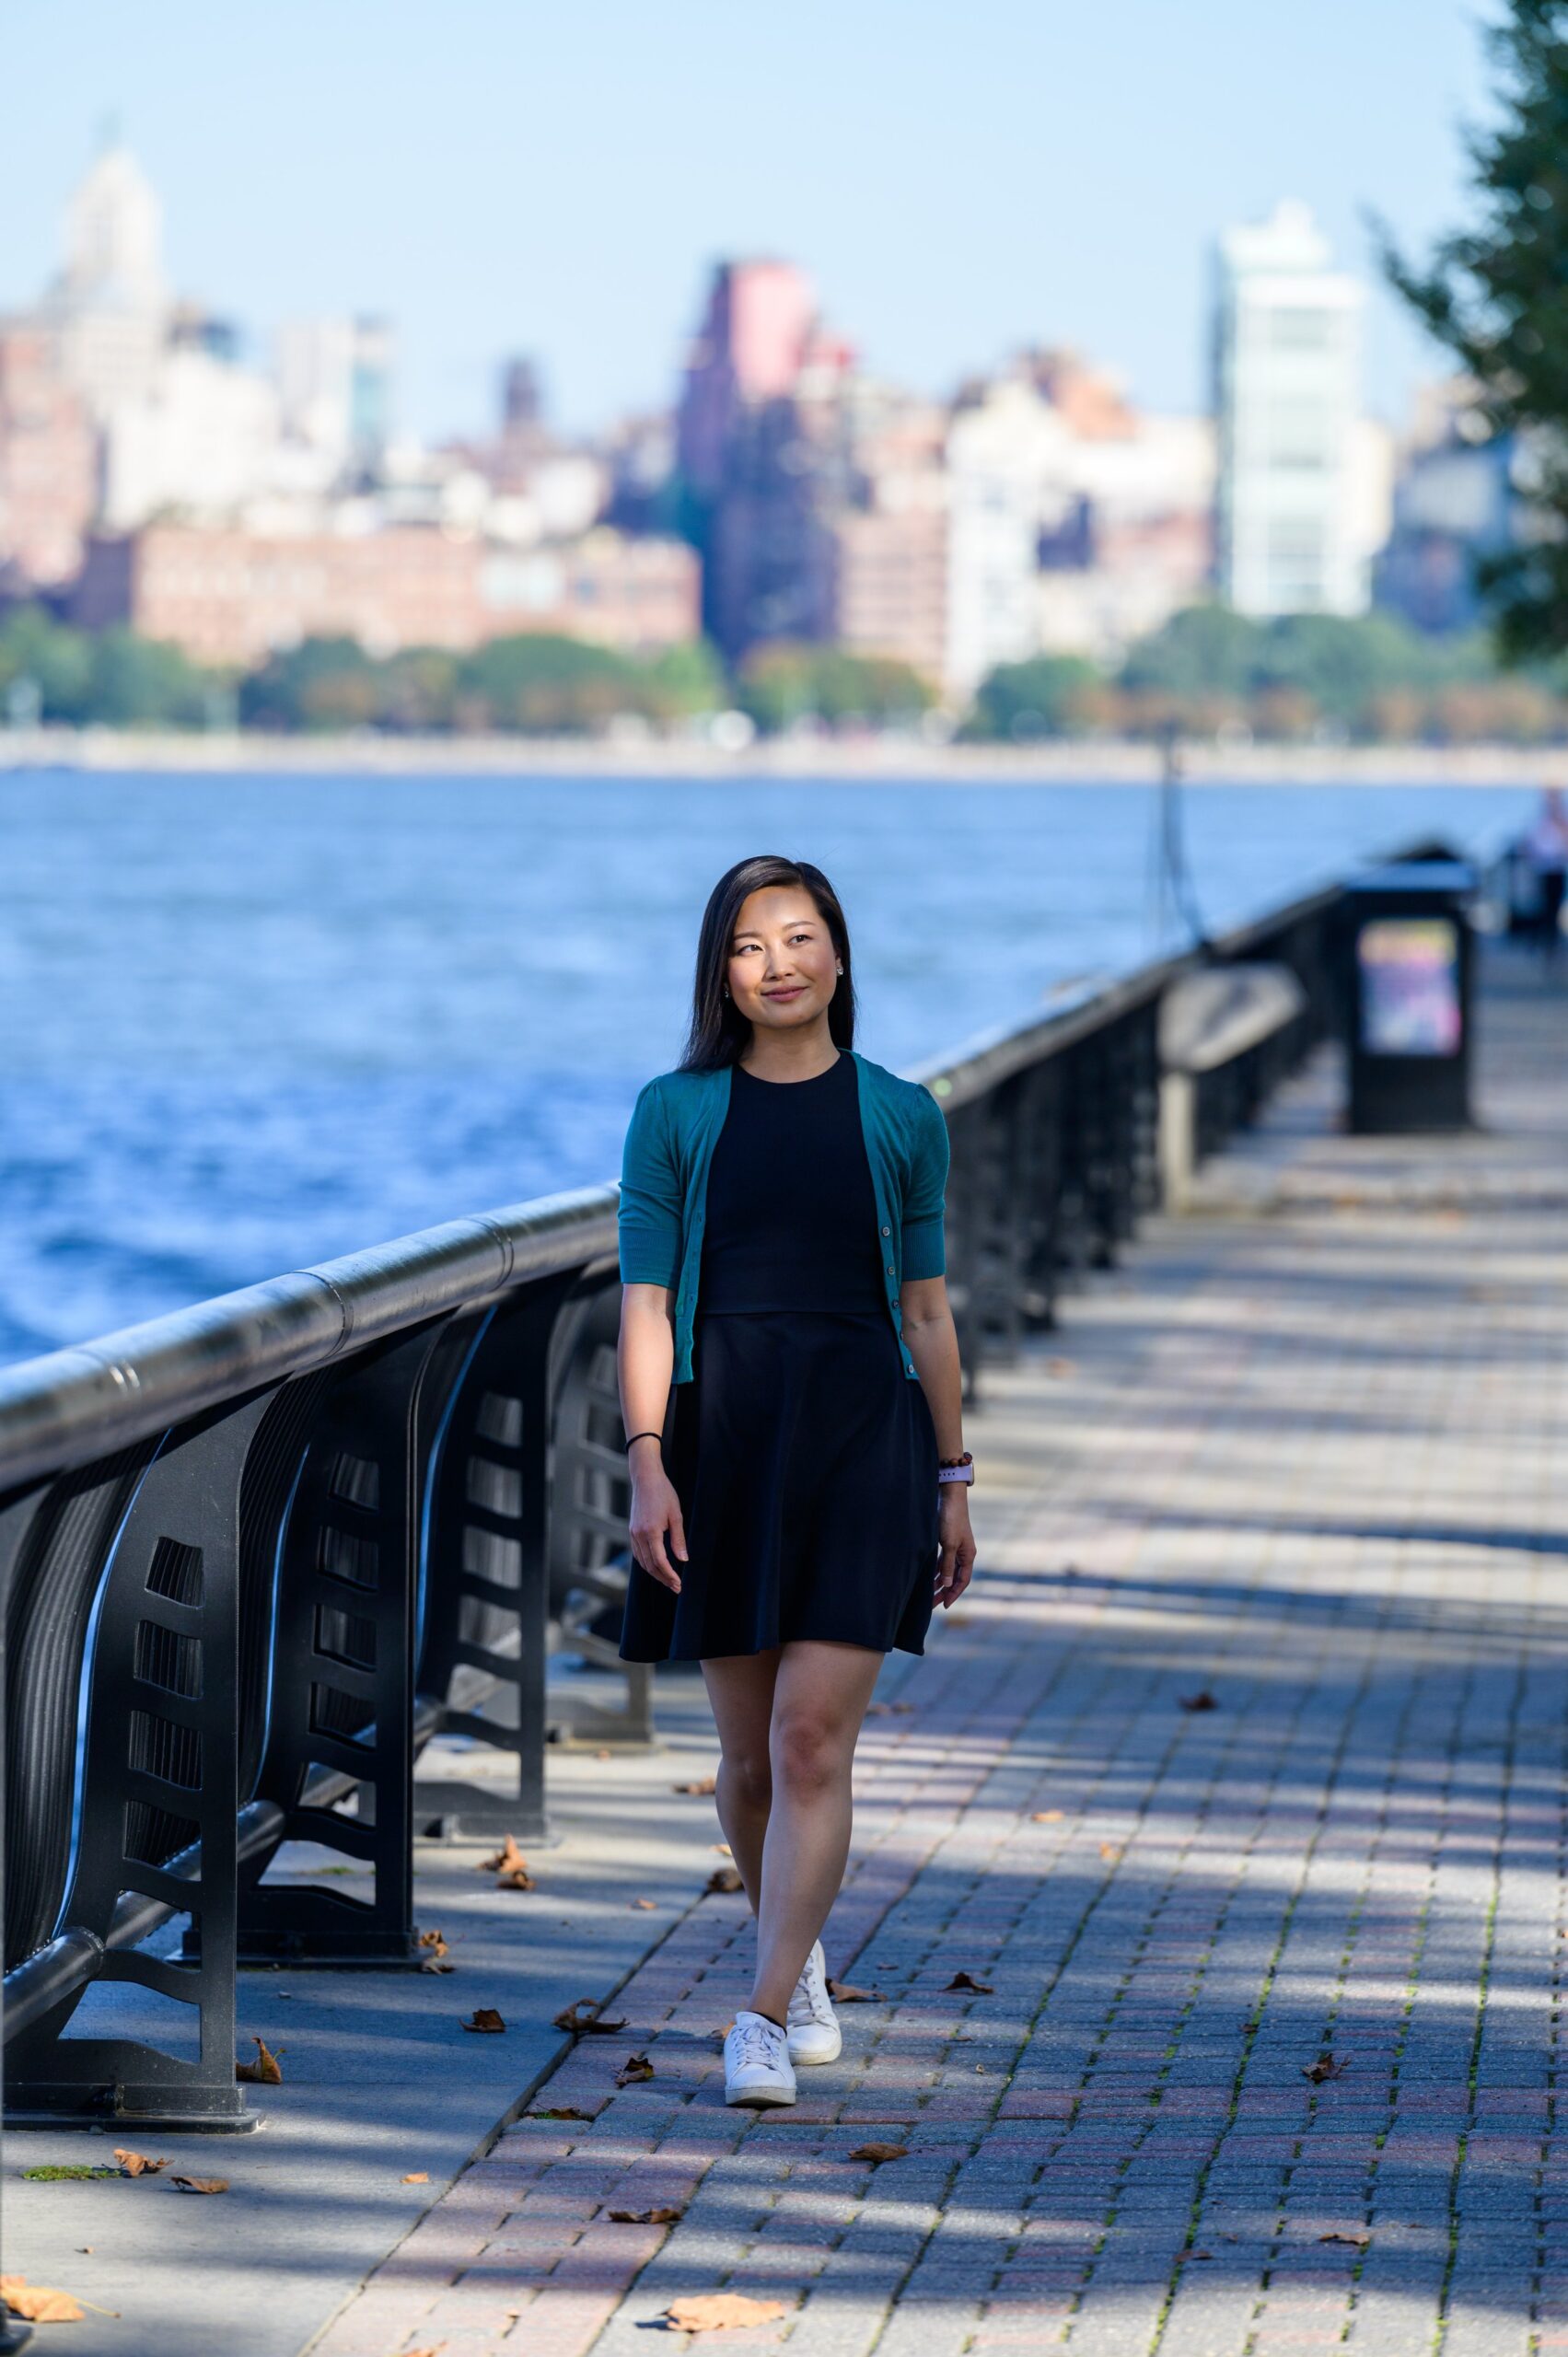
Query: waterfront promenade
{"points": [[1236, 1784]]}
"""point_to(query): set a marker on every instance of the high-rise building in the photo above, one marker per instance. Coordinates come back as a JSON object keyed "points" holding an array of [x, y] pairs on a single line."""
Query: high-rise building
{"points": [[335, 382], [1292, 512], [747, 351], [110, 304], [48, 462]]}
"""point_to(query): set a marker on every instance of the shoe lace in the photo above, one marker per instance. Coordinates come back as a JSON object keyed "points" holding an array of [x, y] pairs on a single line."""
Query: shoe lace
{"points": [[759, 2042], [807, 2000]]}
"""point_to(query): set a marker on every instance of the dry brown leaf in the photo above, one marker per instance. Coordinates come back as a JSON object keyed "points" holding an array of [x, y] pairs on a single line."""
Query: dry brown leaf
{"points": [[561, 2111], [698, 1784], [1357, 2242], [722, 1878], [583, 2017], [713, 2311], [507, 1858], [201, 2184], [1326, 2067], [601, 1754], [40, 2302], [1059, 1366], [435, 1941], [635, 2067], [417, 2177], [661, 2217], [1110, 1851], [967, 1980], [1048, 1817], [843, 1992], [265, 2071], [645, 1905], [723, 1849], [1183, 2256], [1204, 1700], [879, 2153], [487, 2019], [137, 2164], [516, 1878]]}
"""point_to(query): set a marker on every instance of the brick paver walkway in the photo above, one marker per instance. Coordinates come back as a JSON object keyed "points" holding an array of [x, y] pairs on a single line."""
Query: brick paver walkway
{"points": [[1309, 1463]]}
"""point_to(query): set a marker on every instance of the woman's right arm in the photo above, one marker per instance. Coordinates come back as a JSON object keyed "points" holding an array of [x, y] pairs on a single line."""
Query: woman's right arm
{"points": [[644, 1363]]}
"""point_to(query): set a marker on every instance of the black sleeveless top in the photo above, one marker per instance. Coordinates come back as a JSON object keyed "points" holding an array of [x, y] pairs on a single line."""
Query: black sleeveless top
{"points": [[791, 1216]]}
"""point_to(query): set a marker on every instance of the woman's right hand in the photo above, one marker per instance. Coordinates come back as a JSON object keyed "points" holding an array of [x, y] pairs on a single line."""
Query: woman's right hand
{"points": [[655, 1509]]}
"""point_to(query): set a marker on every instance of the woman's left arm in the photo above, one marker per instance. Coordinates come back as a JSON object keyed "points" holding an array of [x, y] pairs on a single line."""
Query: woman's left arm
{"points": [[933, 1343]]}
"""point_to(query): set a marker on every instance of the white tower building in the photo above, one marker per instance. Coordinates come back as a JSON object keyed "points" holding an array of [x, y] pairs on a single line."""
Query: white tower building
{"points": [[109, 305], [1292, 528]]}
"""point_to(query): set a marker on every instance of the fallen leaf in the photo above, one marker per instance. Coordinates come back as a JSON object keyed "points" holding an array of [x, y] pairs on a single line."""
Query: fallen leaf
{"points": [[435, 1941], [516, 1878], [561, 2111], [1059, 1366], [1183, 2256], [723, 1849], [967, 1980], [417, 2177], [1357, 2242], [201, 2184], [698, 1784], [1048, 1817], [265, 2071], [722, 1878], [663, 2217], [843, 1992], [646, 1905], [38, 2303], [137, 2164], [1109, 1849], [1326, 2067], [486, 2018], [601, 1754], [635, 2067], [1201, 1701], [713, 2311], [878, 2151], [583, 2017], [507, 1858]]}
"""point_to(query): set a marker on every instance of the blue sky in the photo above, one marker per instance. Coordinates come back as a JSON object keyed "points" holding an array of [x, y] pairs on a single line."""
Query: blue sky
{"points": [[958, 177]]}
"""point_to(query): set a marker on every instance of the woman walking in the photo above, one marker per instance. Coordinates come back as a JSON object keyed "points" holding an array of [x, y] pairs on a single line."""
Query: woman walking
{"points": [[784, 1314]]}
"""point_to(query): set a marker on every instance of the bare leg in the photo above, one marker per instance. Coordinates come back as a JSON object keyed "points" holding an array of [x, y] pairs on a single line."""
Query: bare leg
{"points": [[819, 1698], [740, 1689]]}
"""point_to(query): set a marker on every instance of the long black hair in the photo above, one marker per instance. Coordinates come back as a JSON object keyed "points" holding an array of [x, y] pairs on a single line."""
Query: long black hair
{"points": [[719, 1031]]}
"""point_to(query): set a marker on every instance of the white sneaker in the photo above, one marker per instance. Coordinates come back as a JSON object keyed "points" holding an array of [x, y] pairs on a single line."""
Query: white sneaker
{"points": [[756, 2063], [814, 2032]]}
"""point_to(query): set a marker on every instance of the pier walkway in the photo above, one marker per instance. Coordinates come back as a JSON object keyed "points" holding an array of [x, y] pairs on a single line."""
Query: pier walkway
{"points": [[1238, 1787], [1306, 1455]]}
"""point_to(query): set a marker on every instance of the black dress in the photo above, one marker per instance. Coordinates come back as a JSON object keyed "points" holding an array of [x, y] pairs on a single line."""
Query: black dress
{"points": [[804, 1456]]}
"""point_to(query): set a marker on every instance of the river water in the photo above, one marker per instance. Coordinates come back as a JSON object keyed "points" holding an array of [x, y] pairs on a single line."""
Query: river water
{"points": [[255, 1022]]}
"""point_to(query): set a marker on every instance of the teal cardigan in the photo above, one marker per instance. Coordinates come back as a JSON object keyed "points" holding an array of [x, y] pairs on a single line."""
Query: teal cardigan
{"points": [[664, 1185]]}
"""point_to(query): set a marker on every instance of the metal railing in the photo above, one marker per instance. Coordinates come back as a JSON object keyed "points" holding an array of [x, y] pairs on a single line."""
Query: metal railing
{"points": [[254, 1555]]}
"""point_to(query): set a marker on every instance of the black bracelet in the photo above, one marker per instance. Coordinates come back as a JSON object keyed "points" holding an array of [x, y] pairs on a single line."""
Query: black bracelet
{"points": [[658, 1437]]}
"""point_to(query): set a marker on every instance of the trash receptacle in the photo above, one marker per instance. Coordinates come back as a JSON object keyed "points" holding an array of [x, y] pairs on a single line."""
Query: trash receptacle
{"points": [[1408, 946]]}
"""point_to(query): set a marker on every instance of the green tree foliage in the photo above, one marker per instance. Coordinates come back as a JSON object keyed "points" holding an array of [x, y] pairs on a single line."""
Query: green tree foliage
{"points": [[1050, 695], [1496, 296], [1366, 677], [787, 681], [323, 683], [115, 677]]}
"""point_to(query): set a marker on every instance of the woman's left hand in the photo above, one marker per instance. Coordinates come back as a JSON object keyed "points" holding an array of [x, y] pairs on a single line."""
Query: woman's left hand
{"points": [[955, 1569]]}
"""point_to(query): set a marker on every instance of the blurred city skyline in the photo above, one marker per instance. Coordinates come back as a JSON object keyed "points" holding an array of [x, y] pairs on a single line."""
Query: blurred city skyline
{"points": [[949, 201]]}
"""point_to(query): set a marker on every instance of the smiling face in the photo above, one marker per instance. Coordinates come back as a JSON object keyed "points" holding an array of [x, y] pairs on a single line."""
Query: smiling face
{"points": [[783, 968]]}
